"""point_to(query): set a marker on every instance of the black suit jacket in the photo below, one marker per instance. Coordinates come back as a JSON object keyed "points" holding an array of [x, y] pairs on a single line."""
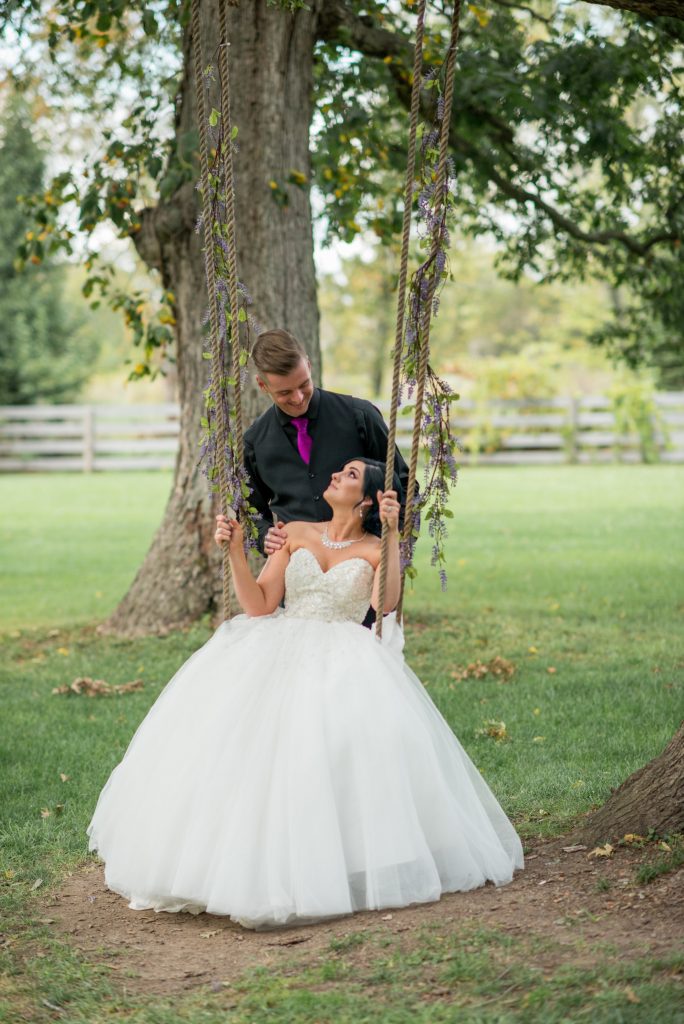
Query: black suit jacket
{"points": [[341, 427]]}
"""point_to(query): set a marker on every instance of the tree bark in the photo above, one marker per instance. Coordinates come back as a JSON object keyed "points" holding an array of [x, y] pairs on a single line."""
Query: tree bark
{"points": [[271, 68], [651, 798]]}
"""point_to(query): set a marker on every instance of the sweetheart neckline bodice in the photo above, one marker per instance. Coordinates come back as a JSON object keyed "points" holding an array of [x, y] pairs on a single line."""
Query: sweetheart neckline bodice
{"points": [[341, 593], [324, 572]]}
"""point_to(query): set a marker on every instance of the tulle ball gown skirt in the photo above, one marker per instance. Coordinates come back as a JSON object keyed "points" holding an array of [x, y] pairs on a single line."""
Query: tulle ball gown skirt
{"points": [[296, 769]]}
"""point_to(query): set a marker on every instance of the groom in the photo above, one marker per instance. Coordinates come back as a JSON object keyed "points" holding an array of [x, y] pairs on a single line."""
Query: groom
{"points": [[308, 434]]}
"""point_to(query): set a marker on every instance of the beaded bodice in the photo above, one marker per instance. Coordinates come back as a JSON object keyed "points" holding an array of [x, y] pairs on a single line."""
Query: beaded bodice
{"points": [[342, 594]]}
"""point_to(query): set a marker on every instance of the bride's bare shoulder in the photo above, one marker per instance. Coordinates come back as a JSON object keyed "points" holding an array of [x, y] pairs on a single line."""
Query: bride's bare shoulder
{"points": [[371, 547], [299, 531]]}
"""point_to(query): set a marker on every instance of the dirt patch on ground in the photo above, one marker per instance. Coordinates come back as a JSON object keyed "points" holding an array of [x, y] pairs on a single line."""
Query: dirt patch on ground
{"points": [[561, 896]]}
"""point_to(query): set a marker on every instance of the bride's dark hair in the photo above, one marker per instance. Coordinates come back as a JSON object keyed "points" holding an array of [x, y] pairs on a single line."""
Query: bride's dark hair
{"points": [[374, 481]]}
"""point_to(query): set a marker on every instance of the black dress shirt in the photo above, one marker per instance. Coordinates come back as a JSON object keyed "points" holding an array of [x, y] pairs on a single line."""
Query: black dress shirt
{"points": [[341, 428]]}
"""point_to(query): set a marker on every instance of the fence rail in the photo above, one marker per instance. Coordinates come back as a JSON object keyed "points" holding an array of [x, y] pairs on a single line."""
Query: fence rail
{"points": [[35, 438]]}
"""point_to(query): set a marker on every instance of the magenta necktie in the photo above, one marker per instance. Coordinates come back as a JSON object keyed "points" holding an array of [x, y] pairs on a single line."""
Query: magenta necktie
{"points": [[304, 440]]}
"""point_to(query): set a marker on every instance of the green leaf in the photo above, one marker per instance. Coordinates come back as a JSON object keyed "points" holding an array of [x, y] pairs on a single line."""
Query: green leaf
{"points": [[214, 116], [149, 23], [234, 131], [242, 316]]}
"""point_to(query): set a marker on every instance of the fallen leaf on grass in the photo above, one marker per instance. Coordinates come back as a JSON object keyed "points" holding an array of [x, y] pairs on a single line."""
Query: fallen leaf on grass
{"points": [[602, 851], [631, 995], [63, 651], [45, 812], [494, 729], [63, 777], [632, 839], [386, 917], [38, 882], [499, 667], [97, 687], [211, 934], [574, 849], [551, 669]]}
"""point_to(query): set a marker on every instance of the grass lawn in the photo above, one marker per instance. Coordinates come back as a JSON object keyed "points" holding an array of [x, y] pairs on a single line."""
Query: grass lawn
{"points": [[70, 544], [571, 574]]}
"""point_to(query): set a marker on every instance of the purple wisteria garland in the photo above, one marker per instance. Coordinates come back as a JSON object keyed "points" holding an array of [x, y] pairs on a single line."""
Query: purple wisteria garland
{"points": [[441, 469], [238, 489]]}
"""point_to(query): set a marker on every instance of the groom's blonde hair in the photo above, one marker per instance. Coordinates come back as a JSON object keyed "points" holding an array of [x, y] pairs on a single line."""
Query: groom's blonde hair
{"points": [[277, 352]]}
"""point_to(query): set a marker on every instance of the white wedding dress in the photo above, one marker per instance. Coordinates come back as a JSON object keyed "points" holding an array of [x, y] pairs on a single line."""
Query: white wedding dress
{"points": [[295, 768]]}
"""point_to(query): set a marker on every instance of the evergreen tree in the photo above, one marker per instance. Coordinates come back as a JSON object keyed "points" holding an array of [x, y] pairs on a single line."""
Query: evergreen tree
{"points": [[40, 358]]}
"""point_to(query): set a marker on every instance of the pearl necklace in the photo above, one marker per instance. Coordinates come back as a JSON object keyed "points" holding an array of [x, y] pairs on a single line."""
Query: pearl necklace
{"points": [[337, 545]]}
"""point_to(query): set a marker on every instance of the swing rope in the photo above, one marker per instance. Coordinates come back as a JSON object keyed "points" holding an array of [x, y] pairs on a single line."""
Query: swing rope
{"points": [[230, 227], [424, 332], [217, 354], [416, 86], [217, 351]]}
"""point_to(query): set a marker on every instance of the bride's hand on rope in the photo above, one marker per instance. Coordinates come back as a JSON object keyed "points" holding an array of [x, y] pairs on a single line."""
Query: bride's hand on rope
{"points": [[389, 509], [229, 531]]}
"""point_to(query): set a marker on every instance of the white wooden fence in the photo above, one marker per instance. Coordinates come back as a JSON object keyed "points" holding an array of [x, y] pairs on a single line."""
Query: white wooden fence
{"points": [[568, 429], [550, 430], [88, 437]]}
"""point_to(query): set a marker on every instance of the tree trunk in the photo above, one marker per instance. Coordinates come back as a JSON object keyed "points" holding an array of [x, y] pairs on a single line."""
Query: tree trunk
{"points": [[271, 67], [651, 798]]}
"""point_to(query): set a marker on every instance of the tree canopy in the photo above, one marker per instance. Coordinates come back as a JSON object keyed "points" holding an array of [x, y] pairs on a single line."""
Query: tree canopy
{"points": [[565, 138]]}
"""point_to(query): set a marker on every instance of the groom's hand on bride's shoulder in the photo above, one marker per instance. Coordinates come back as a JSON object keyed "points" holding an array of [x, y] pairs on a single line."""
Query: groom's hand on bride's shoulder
{"points": [[275, 539]]}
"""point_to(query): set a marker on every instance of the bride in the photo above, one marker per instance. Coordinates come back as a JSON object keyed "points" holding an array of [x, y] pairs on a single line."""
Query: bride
{"points": [[295, 768]]}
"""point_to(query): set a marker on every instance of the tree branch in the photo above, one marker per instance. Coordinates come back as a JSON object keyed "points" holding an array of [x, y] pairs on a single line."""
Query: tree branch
{"points": [[523, 7], [338, 23], [647, 8], [162, 223], [559, 219]]}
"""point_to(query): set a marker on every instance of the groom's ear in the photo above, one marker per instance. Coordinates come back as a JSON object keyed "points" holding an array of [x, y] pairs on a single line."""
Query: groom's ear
{"points": [[260, 383]]}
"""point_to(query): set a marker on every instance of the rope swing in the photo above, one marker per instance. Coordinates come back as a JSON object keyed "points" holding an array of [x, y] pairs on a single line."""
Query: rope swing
{"points": [[218, 381], [427, 300], [218, 219]]}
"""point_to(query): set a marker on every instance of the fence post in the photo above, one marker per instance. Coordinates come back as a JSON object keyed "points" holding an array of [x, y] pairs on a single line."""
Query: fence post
{"points": [[88, 438], [573, 428]]}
